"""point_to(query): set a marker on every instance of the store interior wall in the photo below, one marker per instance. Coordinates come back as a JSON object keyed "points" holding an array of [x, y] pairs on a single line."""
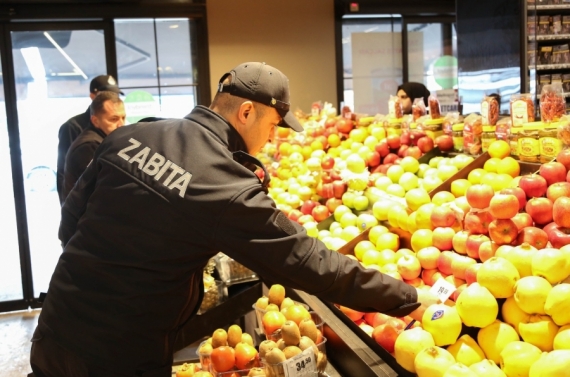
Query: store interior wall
{"points": [[295, 36]]}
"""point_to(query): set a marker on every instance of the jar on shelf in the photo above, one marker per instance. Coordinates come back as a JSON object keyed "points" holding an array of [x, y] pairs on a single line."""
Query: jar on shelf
{"points": [[487, 137], [432, 127], [549, 143], [393, 126], [457, 134], [514, 141], [528, 143]]}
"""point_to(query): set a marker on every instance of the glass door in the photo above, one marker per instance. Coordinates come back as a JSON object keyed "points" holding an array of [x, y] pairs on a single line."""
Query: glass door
{"points": [[53, 65]]}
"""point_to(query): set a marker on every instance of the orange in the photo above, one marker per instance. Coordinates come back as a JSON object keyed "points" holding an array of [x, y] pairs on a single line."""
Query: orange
{"points": [[510, 166], [499, 149], [245, 356], [334, 140], [272, 321], [223, 358], [491, 164], [296, 313], [283, 132]]}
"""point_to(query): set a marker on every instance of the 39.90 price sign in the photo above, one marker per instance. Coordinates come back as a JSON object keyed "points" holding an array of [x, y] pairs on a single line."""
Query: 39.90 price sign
{"points": [[304, 364]]}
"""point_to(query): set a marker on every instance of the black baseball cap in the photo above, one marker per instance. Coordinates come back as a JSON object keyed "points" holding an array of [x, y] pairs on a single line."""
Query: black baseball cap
{"points": [[104, 83], [262, 83]]}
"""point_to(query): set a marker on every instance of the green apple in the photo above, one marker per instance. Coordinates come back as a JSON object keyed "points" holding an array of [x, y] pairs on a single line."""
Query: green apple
{"points": [[396, 190], [422, 169], [410, 164], [381, 208], [371, 142], [417, 197], [348, 199], [355, 163], [447, 171], [338, 212], [349, 233], [365, 221], [348, 219], [361, 202], [383, 182], [435, 160], [375, 232], [311, 227], [430, 183], [323, 234], [395, 172], [408, 181]]}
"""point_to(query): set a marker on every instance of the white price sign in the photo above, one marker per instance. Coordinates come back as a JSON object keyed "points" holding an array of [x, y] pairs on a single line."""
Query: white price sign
{"points": [[442, 289], [304, 364]]}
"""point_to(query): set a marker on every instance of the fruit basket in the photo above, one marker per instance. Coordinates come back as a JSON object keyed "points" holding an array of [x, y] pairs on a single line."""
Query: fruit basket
{"points": [[278, 370], [232, 272]]}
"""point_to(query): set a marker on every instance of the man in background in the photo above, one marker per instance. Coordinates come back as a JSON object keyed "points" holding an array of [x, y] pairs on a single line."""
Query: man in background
{"points": [[69, 131], [107, 113]]}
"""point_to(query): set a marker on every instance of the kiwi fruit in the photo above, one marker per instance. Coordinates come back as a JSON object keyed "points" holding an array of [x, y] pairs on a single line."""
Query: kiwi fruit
{"points": [[276, 294], [306, 342], [256, 372], [321, 362], [287, 302], [281, 344], [234, 335], [275, 356], [246, 338], [290, 333], [291, 351], [265, 347], [219, 338], [308, 328]]}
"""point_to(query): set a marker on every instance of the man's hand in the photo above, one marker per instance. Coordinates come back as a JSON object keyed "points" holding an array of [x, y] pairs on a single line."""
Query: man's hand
{"points": [[426, 298]]}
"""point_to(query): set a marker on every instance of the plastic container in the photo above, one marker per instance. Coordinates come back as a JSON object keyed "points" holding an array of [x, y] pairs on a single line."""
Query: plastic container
{"points": [[205, 360], [321, 363], [457, 134], [522, 109], [231, 272], [487, 137], [214, 295], [259, 315]]}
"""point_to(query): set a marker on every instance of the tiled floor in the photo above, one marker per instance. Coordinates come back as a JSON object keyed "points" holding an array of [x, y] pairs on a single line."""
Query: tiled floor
{"points": [[16, 330]]}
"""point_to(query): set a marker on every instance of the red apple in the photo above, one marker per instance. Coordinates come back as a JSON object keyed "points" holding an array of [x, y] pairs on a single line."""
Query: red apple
{"points": [[428, 257], [425, 144], [557, 190], [414, 151], [553, 172], [503, 231], [518, 192], [442, 216], [430, 276], [564, 158], [455, 281], [568, 176], [459, 241], [402, 151], [373, 159], [487, 250], [405, 138], [354, 315], [557, 235], [444, 143], [295, 214], [442, 238], [444, 262], [385, 335], [390, 158], [477, 222], [533, 185], [366, 328], [409, 267], [460, 264], [330, 122], [339, 188], [479, 196], [471, 273], [533, 236], [327, 162], [344, 125], [307, 206], [522, 220], [382, 148], [305, 219], [320, 213], [396, 323], [333, 203], [561, 212], [415, 282], [473, 244], [455, 295], [504, 206], [416, 135], [540, 209], [393, 141], [376, 319]]}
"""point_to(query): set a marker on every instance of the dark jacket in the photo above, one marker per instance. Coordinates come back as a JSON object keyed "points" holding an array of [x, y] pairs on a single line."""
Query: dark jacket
{"points": [[68, 132], [79, 155], [158, 200]]}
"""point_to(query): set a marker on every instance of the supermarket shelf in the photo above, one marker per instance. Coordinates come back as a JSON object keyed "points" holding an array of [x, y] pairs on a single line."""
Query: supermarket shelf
{"points": [[553, 37], [552, 7], [550, 67]]}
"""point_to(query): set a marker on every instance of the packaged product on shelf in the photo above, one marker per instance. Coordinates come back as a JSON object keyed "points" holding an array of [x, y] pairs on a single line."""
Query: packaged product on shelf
{"points": [[432, 127], [564, 131], [503, 128], [566, 82], [556, 78], [565, 24], [545, 55], [457, 135], [395, 107], [531, 25], [549, 143], [489, 110], [552, 102], [514, 141], [557, 24], [434, 110], [449, 120], [472, 129], [543, 25], [531, 53], [522, 109], [528, 143], [560, 54], [406, 121], [418, 108], [543, 80]]}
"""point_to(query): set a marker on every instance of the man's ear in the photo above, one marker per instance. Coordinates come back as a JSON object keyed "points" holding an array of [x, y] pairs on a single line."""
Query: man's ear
{"points": [[95, 121], [245, 110]]}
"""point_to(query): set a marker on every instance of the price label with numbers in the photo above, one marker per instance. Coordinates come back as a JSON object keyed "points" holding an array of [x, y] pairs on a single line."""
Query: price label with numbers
{"points": [[442, 289], [304, 364]]}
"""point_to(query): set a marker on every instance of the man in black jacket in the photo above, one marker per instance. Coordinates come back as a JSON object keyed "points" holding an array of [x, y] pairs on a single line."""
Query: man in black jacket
{"points": [[157, 201], [69, 131], [107, 114]]}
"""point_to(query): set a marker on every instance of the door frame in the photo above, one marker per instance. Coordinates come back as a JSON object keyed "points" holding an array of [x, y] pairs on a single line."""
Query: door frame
{"points": [[8, 74]]}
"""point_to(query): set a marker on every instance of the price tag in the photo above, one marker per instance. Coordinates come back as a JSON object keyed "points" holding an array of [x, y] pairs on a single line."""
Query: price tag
{"points": [[442, 289], [304, 364]]}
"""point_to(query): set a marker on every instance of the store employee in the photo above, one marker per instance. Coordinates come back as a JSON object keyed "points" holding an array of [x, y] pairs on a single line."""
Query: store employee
{"points": [[158, 200], [408, 92]]}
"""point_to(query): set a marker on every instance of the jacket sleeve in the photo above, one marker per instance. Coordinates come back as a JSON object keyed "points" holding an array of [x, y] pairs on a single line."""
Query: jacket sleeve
{"points": [[75, 164], [261, 237], [67, 133], [76, 202]]}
